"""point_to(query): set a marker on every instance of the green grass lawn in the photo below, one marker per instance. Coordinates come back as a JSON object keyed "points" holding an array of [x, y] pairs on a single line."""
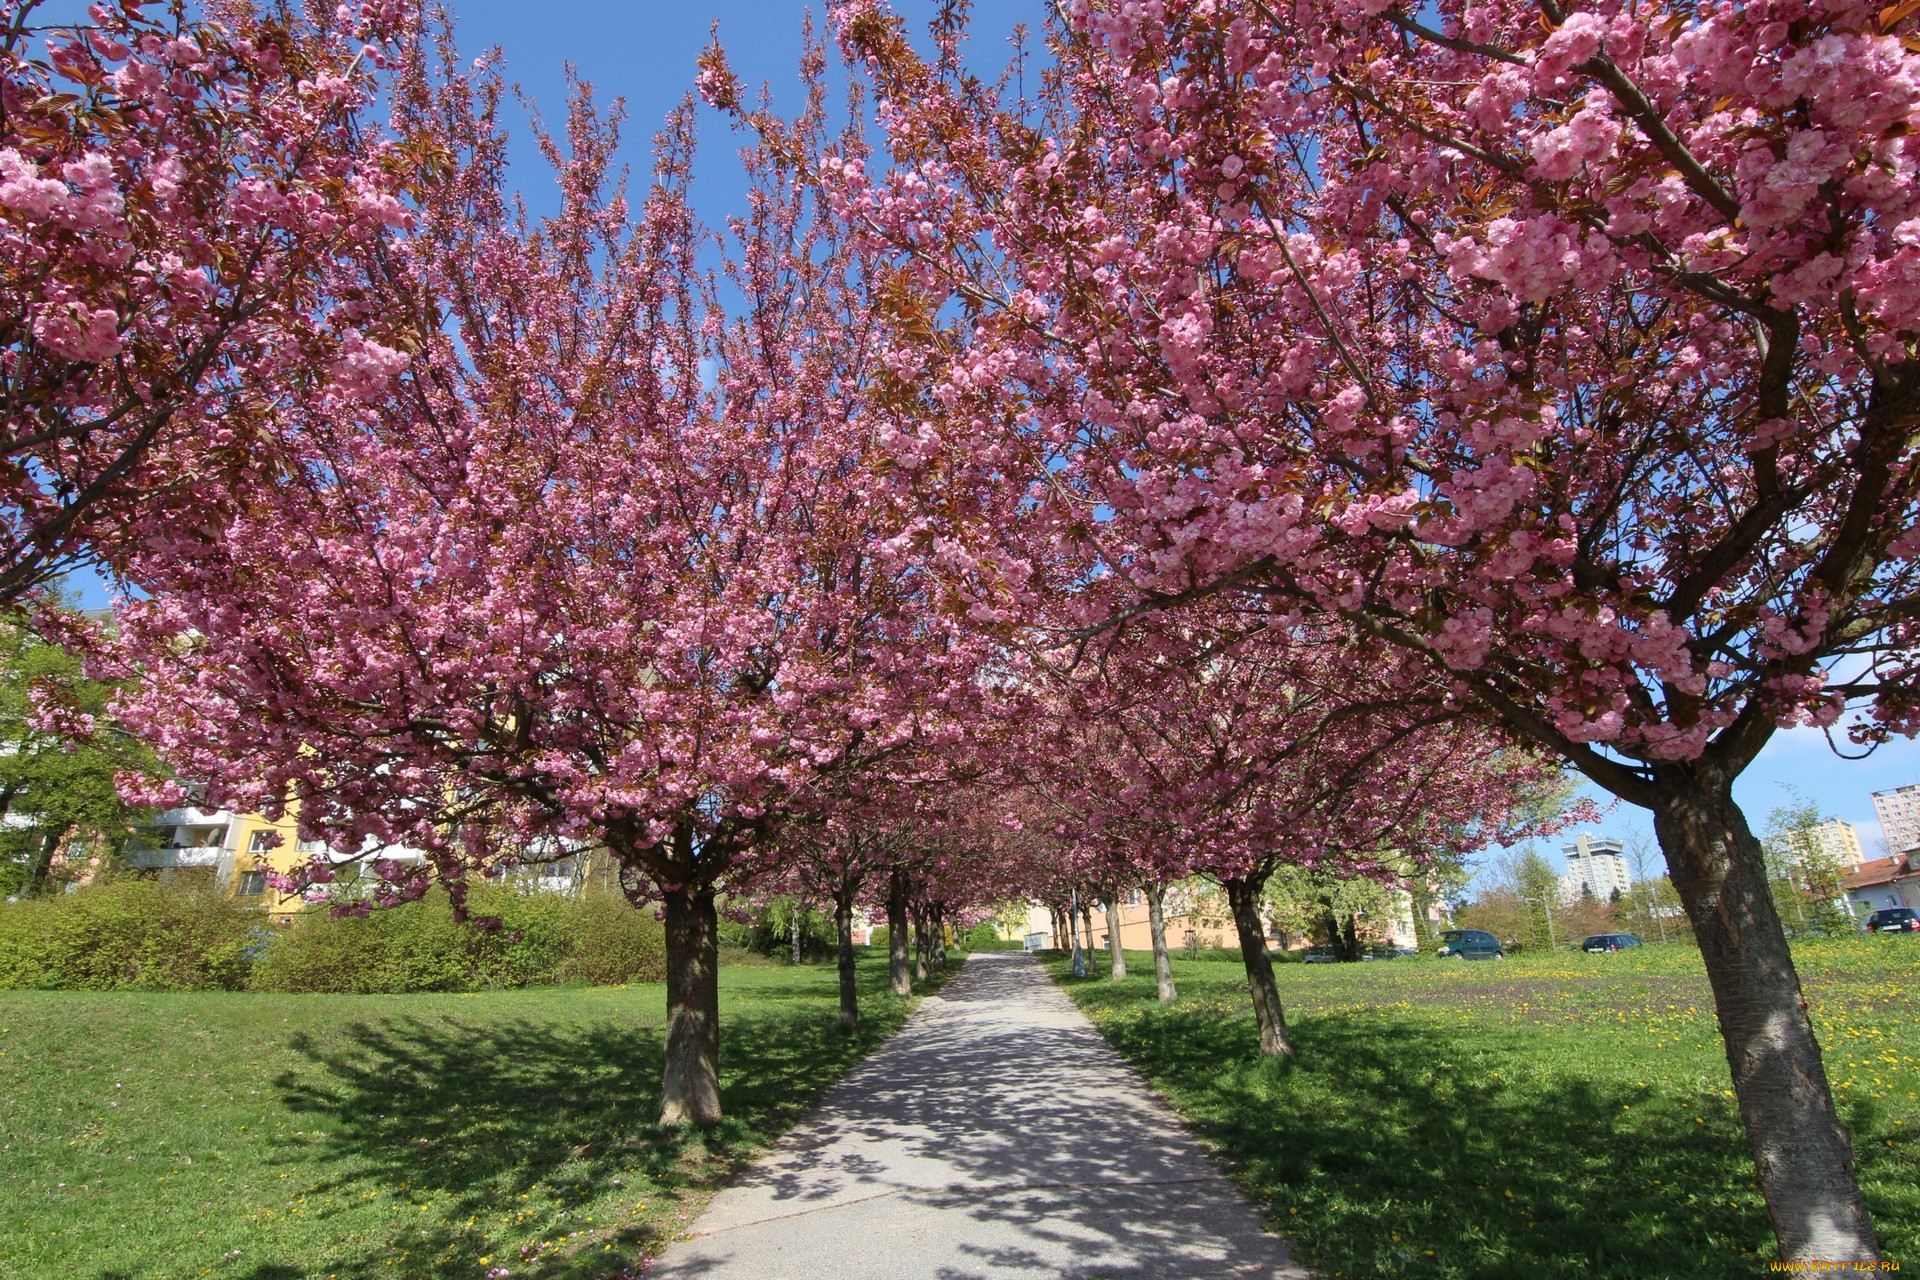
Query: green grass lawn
{"points": [[277, 1137], [1552, 1115]]}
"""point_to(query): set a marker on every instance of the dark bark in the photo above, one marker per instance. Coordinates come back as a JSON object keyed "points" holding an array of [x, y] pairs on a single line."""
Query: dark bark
{"points": [[1243, 895], [843, 939], [1086, 928], [41, 867], [1117, 954], [1157, 926], [920, 970], [937, 920], [899, 971], [690, 1092], [1343, 936], [1801, 1153]]}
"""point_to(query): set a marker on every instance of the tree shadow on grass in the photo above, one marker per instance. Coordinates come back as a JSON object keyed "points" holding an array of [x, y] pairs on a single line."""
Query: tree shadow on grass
{"points": [[1389, 1147], [536, 1122]]}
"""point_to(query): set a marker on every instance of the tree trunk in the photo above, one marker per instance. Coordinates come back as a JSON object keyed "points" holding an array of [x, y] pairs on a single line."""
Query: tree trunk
{"points": [[42, 866], [1349, 947], [1086, 928], [690, 1092], [1118, 955], [938, 921], [1060, 941], [1801, 1152], [1074, 931], [793, 928], [899, 972], [1243, 895], [843, 938], [920, 944], [1157, 926]]}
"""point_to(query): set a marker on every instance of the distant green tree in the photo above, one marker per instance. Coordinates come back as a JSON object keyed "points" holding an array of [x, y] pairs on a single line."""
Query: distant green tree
{"points": [[787, 927], [1303, 901], [1521, 902], [59, 753], [1654, 904], [983, 936], [1805, 877]]}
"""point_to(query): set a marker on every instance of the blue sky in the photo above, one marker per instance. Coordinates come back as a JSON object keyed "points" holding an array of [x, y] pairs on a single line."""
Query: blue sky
{"points": [[1799, 759], [644, 51]]}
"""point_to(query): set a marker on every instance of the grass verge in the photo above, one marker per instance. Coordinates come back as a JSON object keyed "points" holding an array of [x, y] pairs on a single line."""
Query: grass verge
{"points": [[1556, 1115], [275, 1137]]}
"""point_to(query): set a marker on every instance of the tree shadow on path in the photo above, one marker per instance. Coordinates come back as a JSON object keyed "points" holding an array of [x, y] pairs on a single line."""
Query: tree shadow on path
{"points": [[997, 1135]]}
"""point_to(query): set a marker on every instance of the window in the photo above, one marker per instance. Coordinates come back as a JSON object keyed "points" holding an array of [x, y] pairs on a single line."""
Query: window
{"points": [[252, 883], [259, 843]]}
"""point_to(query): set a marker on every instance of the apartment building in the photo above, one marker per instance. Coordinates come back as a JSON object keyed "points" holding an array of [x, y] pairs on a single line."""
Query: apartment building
{"points": [[236, 851], [1596, 868], [1835, 843], [1899, 814]]}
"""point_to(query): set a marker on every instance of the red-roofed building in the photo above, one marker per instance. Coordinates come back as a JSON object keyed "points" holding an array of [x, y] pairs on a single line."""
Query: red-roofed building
{"points": [[1884, 882]]}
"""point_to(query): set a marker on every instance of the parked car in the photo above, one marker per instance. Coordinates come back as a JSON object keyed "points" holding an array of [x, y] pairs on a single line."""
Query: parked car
{"points": [[1470, 944], [1319, 955], [1600, 942], [1894, 920]]}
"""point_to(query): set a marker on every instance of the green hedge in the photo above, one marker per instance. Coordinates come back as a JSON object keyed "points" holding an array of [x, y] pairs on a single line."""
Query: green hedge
{"points": [[128, 933], [1222, 955], [138, 933], [984, 937], [543, 938]]}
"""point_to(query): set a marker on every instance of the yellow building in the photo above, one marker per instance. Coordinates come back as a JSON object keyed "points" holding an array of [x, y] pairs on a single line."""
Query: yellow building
{"points": [[234, 850]]}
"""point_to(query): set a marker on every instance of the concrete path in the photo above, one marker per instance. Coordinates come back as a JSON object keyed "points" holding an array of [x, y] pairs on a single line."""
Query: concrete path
{"points": [[996, 1135]]}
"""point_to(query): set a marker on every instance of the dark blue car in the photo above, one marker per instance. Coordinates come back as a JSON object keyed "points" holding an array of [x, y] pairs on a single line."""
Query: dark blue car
{"points": [[1470, 944]]}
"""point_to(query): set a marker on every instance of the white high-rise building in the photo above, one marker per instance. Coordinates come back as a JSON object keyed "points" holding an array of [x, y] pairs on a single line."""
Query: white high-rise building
{"points": [[1834, 842], [1899, 814], [1596, 867]]}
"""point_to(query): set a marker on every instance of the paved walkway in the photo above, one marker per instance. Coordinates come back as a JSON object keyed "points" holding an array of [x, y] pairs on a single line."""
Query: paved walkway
{"points": [[997, 1135]]}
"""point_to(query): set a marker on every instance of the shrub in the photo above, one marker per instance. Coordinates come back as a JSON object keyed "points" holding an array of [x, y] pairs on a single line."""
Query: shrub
{"points": [[542, 938], [984, 937], [770, 932], [1221, 955], [139, 933], [613, 943], [125, 934]]}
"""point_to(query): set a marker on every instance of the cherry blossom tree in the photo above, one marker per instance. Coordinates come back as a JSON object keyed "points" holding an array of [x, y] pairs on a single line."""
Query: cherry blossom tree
{"points": [[174, 198], [1228, 748], [577, 556], [1567, 346]]}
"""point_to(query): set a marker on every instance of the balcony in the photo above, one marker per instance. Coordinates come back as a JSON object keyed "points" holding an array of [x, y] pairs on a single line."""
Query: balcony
{"points": [[187, 855]]}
